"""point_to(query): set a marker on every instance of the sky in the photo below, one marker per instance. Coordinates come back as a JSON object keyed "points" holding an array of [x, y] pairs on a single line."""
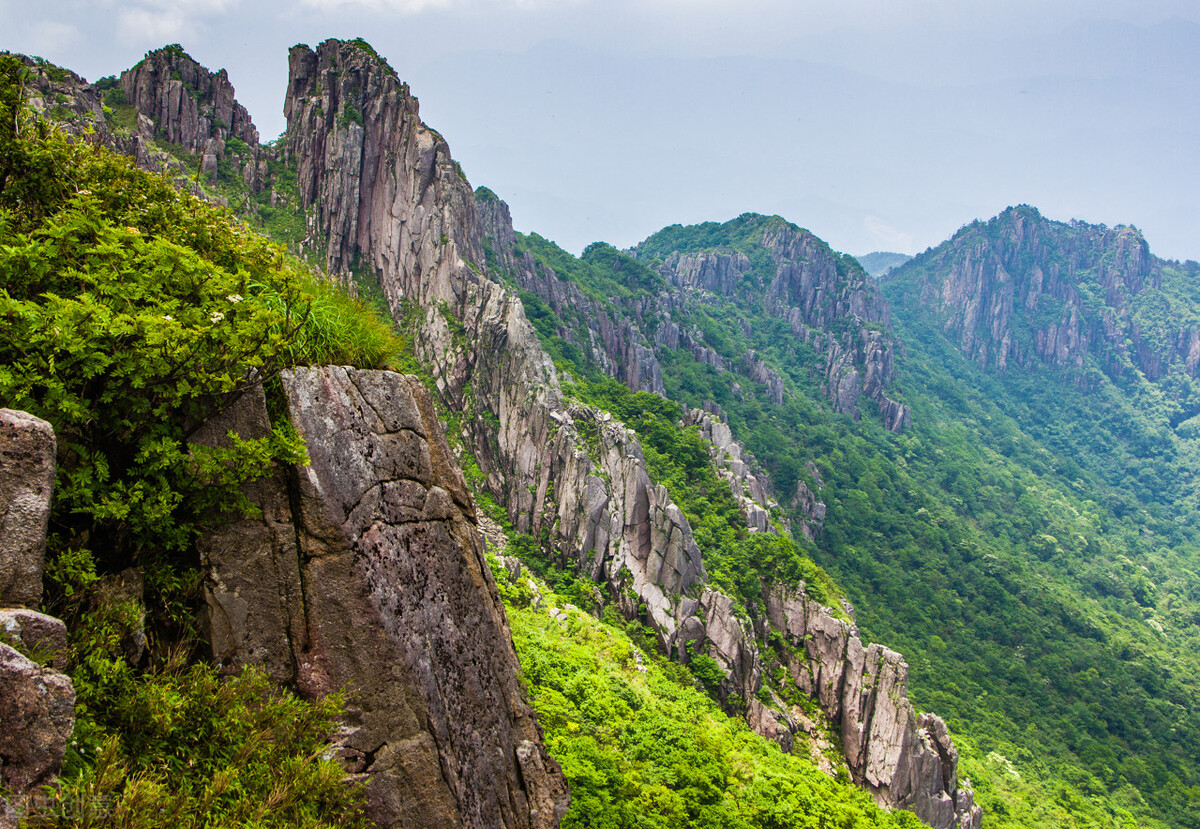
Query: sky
{"points": [[876, 124]]}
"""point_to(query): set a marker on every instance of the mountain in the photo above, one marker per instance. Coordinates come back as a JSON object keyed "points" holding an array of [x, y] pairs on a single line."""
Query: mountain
{"points": [[879, 263], [710, 469]]}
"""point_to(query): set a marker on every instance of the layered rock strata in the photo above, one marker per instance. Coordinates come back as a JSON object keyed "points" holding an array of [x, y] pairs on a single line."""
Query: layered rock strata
{"points": [[366, 574]]}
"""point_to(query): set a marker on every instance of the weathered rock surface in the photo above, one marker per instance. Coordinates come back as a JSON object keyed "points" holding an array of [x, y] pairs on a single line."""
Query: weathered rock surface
{"points": [[65, 98], [904, 761], [807, 501], [186, 104], [36, 720], [43, 636], [399, 206], [1021, 290], [751, 489], [367, 573], [27, 452]]}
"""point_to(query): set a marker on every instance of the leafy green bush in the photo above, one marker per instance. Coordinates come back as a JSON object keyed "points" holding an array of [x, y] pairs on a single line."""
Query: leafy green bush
{"points": [[183, 744]]}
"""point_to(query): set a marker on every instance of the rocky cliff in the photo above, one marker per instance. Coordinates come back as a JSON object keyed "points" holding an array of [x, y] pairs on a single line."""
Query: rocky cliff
{"points": [[366, 574], [904, 759], [186, 104], [168, 112], [828, 302], [396, 203], [1021, 290], [384, 198]]}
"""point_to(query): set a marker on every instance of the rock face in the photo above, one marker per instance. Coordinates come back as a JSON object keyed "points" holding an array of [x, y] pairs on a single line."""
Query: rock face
{"points": [[67, 99], [400, 205], [905, 761], [750, 489], [36, 721], [1021, 290], [827, 302], [187, 104], [35, 633], [27, 450], [366, 572], [37, 704]]}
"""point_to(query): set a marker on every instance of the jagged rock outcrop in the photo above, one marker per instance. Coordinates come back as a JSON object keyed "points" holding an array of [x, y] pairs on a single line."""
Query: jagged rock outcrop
{"points": [[400, 204], [1021, 290], [573, 476], [366, 573], [615, 342], [817, 293], [808, 504], [65, 98], [186, 104], [27, 464], [905, 761], [750, 489], [179, 101]]}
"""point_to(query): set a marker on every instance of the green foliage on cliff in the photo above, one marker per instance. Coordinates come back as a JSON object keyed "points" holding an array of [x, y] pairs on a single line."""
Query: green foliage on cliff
{"points": [[736, 560], [1025, 590], [642, 746], [128, 314]]}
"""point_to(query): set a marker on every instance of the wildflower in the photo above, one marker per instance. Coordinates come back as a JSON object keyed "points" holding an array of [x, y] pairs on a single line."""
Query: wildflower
{"points": [[216, 316], [134, 231], [168, 317], [234, 298]]}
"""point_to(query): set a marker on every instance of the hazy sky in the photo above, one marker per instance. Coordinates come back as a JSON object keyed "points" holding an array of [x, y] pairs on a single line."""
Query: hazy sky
{"points": [[877, 124]]}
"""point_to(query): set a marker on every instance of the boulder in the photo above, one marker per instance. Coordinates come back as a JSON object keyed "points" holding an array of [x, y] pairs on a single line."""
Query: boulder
{"points": [[36, 720], [27, 450], [35, 633]]}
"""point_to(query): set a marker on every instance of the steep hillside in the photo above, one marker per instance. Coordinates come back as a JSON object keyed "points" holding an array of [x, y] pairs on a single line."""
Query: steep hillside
{"points": [[1002, 570], [1054, 362], [577, 490]]}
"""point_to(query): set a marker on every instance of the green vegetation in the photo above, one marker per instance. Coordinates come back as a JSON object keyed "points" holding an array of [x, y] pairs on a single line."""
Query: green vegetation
{"points": [[642, 746], [736, 559], [128, 314], [1025, 590]]}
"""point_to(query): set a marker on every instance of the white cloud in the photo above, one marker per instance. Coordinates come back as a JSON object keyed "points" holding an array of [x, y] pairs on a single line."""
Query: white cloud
{"points": [[417, 6], [50, 36], [161, 21], [889, 237]]}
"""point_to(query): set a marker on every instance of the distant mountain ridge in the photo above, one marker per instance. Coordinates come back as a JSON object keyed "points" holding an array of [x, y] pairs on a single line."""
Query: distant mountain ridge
{"points": [[880, 263]]}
